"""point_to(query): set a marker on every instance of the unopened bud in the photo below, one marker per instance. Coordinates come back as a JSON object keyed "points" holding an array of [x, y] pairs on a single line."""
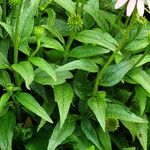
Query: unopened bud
{"points": [[38, 31]]}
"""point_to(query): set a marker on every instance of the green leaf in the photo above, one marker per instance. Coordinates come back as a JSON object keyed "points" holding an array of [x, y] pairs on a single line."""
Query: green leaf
{"points": [[87, 51], [30, 103], [119, 140], [97, 37], [4, 78], [39, 141], [7, 125], [139, 130], [82, 64], [115, 73], [51, 17], [98, 106], [3, 100], [60, 134], [55, 32], [4, 46], [90, 132], [67, 4], [141, 97], [145, 60], [3, 61], [80, 142], [104, 138], [26, 20], [81, 85], [101, 21], [9, 29], [130, 148], [141, 77], [24, 48], [123, 113], [25, 69], [91, 148], [44, 65], [63, 96], [49, 42], [137, 45], [43, 78], [49, 107]]}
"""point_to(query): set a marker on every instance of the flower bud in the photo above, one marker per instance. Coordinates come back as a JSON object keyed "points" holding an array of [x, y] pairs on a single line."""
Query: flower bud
{"points": [[75, 22], [101, 94], [38, 31]]}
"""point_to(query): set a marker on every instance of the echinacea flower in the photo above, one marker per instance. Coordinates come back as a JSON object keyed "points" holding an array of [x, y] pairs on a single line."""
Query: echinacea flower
{"points": [[131, 6]]}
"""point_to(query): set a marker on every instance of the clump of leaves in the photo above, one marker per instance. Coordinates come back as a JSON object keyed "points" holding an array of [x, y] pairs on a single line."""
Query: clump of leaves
{"points": [[72, 71]]}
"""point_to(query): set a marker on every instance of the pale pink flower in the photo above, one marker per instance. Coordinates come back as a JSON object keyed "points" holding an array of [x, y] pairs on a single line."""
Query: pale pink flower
{"points": [[131, 6]]}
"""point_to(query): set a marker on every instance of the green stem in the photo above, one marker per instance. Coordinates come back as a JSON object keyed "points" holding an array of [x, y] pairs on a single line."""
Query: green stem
{"points": [[17, 38], [4, 10], [37, 48], [70, 40], [17, 41], [121, 13], [17, 108], [147, 10], [119, 48], [42, 8]]}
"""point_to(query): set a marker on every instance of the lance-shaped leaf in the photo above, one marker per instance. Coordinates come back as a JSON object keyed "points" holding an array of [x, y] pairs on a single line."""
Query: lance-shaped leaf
{"points": [[141, 97], [82, 64], [115, 73], [67, 4], [60, 134], [98, 106], [49, 42], [30, 103], [87, 51], [141, 77], [90, 132], [3, 61], [4, 78], [97, 37], [9, 29], [140, 130], [3, 100], [123, 113], [25, 69], [7, 125], [63, 96], [44, 65]]}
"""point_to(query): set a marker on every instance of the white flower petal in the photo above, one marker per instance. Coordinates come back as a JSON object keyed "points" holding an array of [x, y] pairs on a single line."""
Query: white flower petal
{"points": [[140, 7], [130, 7], [120, 3]]}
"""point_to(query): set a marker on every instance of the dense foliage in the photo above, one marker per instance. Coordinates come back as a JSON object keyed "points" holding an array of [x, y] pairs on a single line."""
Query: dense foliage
{"points": [[74, 75]]}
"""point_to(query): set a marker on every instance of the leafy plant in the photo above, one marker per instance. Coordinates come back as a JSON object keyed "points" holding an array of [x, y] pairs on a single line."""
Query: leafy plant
{"points": [[74, 74]]}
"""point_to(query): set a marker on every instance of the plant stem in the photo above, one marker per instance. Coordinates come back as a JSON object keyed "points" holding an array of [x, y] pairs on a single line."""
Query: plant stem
{"points": [[121, 13], [17, 38], [42, 8], [17, 108], [17, 41], [147, 10], [70, 40], [4, 10], [100, 73], [119, 48], [37, 48]]}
